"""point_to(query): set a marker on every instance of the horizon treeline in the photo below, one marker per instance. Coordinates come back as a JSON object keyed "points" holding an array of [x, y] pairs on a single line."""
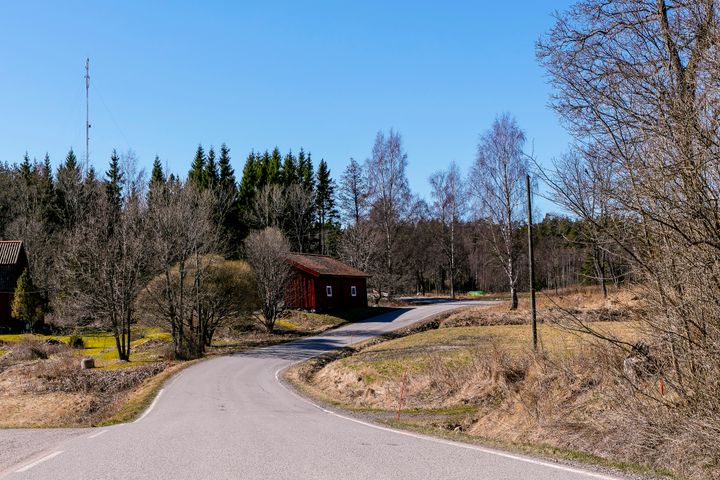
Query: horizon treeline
{"points": [[366, 216]]}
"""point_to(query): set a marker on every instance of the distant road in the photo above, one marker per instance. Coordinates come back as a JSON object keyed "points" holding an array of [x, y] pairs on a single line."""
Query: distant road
{"points": [[230, 418]]}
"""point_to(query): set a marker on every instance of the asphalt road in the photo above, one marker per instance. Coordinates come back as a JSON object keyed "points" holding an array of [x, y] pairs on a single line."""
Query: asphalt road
{"points": [[230, 418]]}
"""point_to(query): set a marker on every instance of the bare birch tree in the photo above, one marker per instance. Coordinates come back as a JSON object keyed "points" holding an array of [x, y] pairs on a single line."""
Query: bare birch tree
{"points": [[449, 201], [497, 182], [389, 196]]}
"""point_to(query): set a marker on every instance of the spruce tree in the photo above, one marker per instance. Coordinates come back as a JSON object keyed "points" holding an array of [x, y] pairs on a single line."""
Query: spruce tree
{"points": [[306, 171], [69, 191], [273, 169], [250, 180], [114, 180], [325, 201], [211, 170], [197, 176], [157, 176], [26, 169], [289, 170], [263, 170], [226, 174], [47, 196], [157, 182], [71, 164]]}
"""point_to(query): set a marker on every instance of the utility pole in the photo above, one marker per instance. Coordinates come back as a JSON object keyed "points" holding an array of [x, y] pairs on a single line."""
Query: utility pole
{"points": [[87, 115], [531, 260]]}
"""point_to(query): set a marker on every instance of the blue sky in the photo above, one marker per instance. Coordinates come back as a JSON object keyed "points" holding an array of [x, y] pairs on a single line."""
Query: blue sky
{"points": [[326, 76]]}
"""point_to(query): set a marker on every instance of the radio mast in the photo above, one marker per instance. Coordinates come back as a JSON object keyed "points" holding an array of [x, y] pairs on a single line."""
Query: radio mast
{"points": [[87, 115]]}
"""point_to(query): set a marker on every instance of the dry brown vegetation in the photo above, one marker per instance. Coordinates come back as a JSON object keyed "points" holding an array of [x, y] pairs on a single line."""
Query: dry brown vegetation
{"points": [[473, 372], [42, 385]]}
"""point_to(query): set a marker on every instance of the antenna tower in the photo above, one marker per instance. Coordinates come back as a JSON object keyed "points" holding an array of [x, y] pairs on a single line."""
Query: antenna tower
{"points": [[87, 115]]}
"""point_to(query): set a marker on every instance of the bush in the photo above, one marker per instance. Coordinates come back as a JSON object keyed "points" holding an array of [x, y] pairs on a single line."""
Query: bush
{"points": [[76, 341]]}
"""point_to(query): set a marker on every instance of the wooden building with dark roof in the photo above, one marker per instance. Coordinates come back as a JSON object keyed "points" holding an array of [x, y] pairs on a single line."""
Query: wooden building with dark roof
{"points": [[13, 262], [320, 283]]}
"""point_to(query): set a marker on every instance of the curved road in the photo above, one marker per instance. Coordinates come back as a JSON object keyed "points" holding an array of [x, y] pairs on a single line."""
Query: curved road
{"points": [[230, 418]]}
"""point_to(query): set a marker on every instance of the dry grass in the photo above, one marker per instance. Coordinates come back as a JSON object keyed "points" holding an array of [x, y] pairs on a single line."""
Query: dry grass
{"points": [[483, 380], [42, 385]]}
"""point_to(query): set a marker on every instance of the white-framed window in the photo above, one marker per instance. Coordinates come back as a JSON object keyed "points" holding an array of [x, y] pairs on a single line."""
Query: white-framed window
{"points": [[328, 290], [353, 291]]}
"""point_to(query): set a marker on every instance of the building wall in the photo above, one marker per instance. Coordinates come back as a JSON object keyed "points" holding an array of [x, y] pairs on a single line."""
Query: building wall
{"points": [[341, 292], [308, 292], [301, 291]]}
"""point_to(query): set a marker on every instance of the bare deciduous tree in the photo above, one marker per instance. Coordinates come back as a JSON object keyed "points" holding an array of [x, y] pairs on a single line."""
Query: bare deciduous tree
{"points": [[267, 253], [638, 80], [180, 232], [300, 203], [104, 267], [268, 206], [580, 183], [497, 182], [353, 194], [389, 197], [449, 201]]}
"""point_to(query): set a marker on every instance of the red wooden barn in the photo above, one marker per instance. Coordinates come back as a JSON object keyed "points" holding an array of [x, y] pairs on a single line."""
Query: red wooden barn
{"points": [[13, 262], [321, 283]]}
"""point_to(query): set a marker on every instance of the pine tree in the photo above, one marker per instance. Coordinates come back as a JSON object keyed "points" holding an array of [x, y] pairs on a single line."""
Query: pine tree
{"points": [[197, 176], [211, 170], [27, 306], [325, 200], [114, 182]]}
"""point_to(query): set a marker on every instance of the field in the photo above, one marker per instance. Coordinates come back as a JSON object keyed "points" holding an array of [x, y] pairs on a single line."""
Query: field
{"points": [[42, 385], [472, 375]]}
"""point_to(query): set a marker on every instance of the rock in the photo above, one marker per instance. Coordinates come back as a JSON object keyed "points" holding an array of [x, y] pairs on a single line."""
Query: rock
{"points": [[87, 363]]}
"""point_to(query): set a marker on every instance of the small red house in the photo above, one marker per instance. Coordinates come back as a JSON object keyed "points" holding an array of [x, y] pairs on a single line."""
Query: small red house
{"points": [[13, 262], [320, 282]]}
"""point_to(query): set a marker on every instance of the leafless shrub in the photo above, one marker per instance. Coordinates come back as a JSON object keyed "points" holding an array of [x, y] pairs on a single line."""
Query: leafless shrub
{"points": [[266, 251], [63, 374]]}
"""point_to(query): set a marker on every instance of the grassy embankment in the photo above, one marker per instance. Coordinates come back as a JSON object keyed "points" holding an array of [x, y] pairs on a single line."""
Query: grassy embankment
{"points": [[41, 384], [472, 375]]}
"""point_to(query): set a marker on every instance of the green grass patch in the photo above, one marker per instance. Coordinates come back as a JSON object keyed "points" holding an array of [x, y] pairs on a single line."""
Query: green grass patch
{"points": [[102, 347], [282, 323]]}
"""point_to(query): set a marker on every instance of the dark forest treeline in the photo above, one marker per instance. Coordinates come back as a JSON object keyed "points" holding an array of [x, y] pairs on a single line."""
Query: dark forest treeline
{"points": [[368, 217]]}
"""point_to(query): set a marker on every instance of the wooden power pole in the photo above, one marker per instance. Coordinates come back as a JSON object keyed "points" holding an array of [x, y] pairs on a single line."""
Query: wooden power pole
{"points": [[531, 261]]}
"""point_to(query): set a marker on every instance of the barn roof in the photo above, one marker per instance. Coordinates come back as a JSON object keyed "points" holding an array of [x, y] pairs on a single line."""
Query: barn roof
{"points": [[10, 251], [321, 265]]}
